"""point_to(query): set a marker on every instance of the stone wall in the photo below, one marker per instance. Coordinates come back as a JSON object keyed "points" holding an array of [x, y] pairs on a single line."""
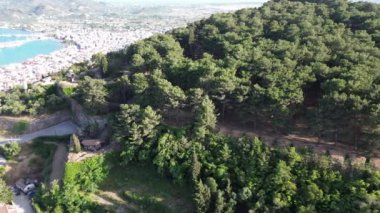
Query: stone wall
{"points": [[46, 121]]}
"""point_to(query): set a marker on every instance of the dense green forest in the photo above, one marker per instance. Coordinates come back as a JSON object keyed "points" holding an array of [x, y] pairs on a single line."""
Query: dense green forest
{"points": [[286, 63], [283, 65]]}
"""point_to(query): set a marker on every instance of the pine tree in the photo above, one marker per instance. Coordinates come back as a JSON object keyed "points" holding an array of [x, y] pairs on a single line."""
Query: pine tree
{"points": [[195, 168], [202, 197], [211, 183], [219, 202], [75, 143], [206, 118]]}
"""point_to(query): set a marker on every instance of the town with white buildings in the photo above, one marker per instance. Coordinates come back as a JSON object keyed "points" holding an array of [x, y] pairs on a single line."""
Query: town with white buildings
{"points": [[83, 39]]}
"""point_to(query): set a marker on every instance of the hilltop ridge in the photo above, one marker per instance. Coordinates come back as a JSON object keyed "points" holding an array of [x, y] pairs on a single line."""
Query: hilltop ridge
{"points": [[32, 9]]}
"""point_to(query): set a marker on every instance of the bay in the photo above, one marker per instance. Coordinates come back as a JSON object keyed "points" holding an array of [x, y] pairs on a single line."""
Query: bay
{"points": [[24, 50]]}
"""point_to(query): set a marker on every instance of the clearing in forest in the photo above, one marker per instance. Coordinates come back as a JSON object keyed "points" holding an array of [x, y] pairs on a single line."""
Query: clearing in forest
{"points": [[139, 188]]}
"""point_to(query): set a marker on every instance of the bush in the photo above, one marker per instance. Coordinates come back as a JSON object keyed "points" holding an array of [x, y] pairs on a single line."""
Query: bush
{"points": [[87, 174], [5, 194], [20, 127], [43, 149], [68, 90], [2, 171], [10, 150]]}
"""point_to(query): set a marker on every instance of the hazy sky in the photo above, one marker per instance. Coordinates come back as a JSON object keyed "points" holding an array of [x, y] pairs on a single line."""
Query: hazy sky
{"points": [[187, 2], [147, 2]]}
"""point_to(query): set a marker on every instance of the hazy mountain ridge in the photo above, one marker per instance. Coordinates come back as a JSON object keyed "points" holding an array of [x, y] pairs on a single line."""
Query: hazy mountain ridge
{"points": [[26, 9]]}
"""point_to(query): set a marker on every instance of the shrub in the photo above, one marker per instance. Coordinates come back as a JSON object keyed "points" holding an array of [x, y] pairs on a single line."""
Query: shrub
{"points": [[43, 149], [10, 150], [5, 194], [86, 174], [20, 127], [68, 90], [2, 171]]}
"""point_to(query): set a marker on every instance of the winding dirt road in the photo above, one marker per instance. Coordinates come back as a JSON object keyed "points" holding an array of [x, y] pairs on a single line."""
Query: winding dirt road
{"points": [[58, 165], [337, 151]]}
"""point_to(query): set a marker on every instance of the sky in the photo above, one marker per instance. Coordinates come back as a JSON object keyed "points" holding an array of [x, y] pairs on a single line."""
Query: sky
{"points": [[181, 2], [150, 2]]}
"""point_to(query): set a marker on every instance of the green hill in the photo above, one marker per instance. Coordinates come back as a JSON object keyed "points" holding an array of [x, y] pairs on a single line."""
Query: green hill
{"points": [[284, 64], [309, 67]]}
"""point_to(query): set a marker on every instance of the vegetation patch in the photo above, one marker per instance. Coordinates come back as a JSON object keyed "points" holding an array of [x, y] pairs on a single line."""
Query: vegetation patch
{"points": [[6, 195], [20, 127], [146, 203], [144, 189], [10, 150], [81, 179], [45, 147], [37, 99], [68, 90]]}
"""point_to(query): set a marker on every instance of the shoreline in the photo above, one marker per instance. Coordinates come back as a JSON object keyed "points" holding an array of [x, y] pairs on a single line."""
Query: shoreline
{"points": [[81, 40], [14, 44], [77, 47]]}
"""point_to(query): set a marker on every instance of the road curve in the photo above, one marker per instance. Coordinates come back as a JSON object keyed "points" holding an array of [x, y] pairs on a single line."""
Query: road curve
{"points": [[65, 128]]}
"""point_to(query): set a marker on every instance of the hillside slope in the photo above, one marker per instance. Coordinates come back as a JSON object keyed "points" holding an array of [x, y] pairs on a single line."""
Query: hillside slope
{"points": [[285, 65]]}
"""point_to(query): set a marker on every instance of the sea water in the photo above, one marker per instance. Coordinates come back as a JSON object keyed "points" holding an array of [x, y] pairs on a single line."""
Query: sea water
{"points": [[24, 51]]}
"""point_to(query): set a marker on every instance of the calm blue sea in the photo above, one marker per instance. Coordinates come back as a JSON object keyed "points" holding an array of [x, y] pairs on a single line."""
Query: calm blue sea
{"points": [[27, 50]]}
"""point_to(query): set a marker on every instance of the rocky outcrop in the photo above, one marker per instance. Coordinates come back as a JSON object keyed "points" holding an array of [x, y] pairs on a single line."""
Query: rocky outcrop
{"points": [[80, 117], [83, 120]]}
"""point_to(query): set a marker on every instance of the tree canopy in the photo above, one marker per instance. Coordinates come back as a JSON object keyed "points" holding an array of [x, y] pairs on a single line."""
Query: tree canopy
{"points": [[289, 65], [287, 62], [93, 94], [314, 63]]}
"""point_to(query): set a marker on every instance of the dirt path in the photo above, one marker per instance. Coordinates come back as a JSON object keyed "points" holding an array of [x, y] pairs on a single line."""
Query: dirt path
{"points": [[337, 151], [58, 165]]}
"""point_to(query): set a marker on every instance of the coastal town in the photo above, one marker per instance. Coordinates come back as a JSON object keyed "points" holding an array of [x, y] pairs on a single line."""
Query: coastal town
{"points": [[83, 39]]}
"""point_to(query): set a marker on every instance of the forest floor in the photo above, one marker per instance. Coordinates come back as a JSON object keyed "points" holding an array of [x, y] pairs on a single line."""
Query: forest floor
{"points": [[337, 151], [139, 188]]}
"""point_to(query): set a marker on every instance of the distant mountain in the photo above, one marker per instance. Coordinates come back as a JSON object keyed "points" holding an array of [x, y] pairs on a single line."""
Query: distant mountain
{"points": [[29, 9]]}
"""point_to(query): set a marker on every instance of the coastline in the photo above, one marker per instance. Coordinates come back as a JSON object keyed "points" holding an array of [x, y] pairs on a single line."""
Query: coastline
{"points": [[78, 46], [82, 40]]}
